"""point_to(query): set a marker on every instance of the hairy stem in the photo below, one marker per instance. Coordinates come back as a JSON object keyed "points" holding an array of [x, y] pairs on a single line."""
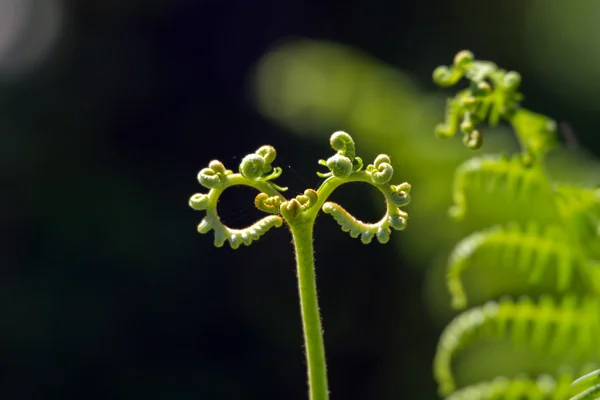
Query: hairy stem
{"points": [[309, 305]]}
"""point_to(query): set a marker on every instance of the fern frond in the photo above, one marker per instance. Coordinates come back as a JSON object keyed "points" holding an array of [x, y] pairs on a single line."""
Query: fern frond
{"points": [[506, 183], [592, 392], [518, 388], [533, 250], [537, 133], [554, 328], [548, 231], [522, 387], [579, 207]]}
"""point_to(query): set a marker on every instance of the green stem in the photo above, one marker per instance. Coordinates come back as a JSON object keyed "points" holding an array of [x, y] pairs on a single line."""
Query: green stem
{"points": [[309, 305]]}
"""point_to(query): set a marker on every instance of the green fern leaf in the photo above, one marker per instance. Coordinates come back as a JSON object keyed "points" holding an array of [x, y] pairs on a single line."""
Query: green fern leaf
{"points": [[537, 133], [579, 207], [592, 392], [532, 250], [566, 327], [523, 387], [516, 192], [547, 231]]}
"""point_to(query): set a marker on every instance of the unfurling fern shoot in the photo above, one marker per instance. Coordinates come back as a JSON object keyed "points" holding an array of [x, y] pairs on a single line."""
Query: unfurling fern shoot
{"points": [[299, 214], [533, 226]]}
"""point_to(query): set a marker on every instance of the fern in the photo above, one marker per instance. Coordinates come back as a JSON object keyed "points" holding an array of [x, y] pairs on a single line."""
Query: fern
{"points": [[532, 250], [543, 387], [523, 223], [579, 207], [592, 392], [506, 183], [571, 326]]}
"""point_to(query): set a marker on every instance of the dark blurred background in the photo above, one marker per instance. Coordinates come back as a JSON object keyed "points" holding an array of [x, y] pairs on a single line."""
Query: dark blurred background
{"points": [[108, 109]]}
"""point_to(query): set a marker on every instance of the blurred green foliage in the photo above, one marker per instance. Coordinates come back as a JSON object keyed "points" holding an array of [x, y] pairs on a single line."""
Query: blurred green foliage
{"points": [[105, 294], [546, 235], [313, 87]]}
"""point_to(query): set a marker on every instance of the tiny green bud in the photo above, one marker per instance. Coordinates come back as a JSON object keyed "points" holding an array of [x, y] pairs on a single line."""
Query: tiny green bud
{"points": [[339, 165], [268, 153], [211, 179], [383, 235], [397, 222], [403, 187], [217, 166], [199, 201], [473, 140], [441, 74], [204, 226], [463, 58], [400, 199], [290, 209], [343, 144], [467, 125], [308, 199], [366, 237], [252, 166], [512, 80], [268, 204], [382, 158], [382, 171]]}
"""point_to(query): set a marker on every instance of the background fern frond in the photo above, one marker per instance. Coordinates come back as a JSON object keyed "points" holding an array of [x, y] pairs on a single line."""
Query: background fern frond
{"points": [[544, 242], [523, 387], [533, 250], [592, 392], [508, 185], [579, 207], [537, 133], [570, 326]]}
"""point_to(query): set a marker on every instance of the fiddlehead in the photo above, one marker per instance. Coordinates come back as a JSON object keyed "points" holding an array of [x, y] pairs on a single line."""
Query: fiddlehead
{"points": [[344, 162], [215, 176], [492, 94], [345, 167], [255, 171], [268, 204], [257, 166], [381, 170]]}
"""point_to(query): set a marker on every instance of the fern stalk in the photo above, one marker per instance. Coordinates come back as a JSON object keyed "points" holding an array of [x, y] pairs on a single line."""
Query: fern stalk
{"points": [[309, 305]]}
